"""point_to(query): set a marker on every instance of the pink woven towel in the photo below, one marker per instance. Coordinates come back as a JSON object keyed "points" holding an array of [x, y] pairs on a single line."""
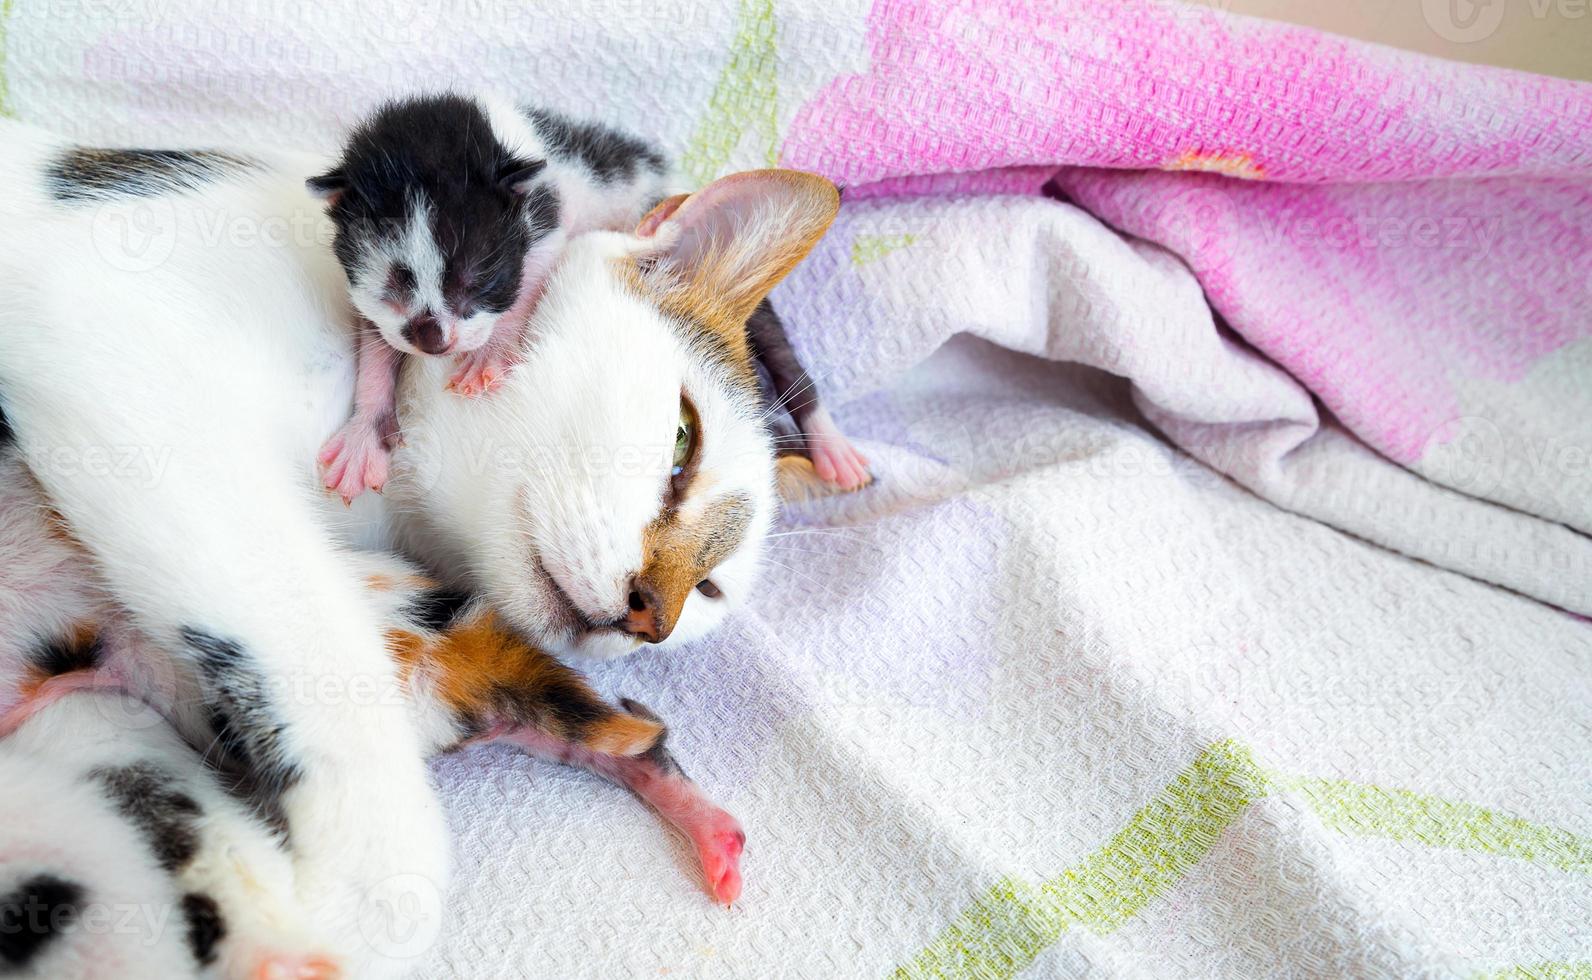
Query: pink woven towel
{"points": [[1408, 237]]}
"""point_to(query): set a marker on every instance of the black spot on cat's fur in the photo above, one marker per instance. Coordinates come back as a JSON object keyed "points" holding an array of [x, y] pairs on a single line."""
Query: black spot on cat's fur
{"points": [[543, 210], [562, 697], [436, 609], [32, 915], [608, 153], [245, 722], [659, 754], [85, 174], [206, 927], [80, 650], [167, 817]]}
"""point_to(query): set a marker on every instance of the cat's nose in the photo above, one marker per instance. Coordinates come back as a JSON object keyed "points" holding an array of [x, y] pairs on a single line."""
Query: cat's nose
{"points": [[427, 334], [642, 620]]}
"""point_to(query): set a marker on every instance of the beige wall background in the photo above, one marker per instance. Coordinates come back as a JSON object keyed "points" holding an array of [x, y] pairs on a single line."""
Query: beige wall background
{"points": [[1552, 37]]}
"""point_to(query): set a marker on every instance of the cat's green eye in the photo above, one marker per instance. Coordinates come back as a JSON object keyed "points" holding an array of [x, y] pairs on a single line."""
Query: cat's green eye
{"points": [[685, 437]]}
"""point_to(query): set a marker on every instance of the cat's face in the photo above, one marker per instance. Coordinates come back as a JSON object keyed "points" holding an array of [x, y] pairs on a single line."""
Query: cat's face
{"points": [[618, 488], [435, 222]]}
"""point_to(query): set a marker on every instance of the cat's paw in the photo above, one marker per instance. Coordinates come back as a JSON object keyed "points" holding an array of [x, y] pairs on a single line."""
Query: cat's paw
{"points": [[719, 842], [370, 862], [834, 458]]}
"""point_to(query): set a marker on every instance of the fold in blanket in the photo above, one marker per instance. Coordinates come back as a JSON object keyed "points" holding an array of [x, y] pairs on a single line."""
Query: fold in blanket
{"points": [[1408, 240]]}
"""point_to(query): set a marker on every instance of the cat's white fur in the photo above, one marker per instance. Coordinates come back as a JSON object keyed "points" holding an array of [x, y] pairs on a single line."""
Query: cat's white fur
{"points": [[131, 922], [227, 358]]}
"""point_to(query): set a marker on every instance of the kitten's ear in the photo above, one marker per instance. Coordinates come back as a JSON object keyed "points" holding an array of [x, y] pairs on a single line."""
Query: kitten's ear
{"points": [[718, 252], [514, 177], [328, 186]]}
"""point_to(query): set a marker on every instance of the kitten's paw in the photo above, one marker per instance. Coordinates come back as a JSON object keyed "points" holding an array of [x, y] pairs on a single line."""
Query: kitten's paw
{"points": [[835, 459], [479, 371], [356, 459], [719, 841]]}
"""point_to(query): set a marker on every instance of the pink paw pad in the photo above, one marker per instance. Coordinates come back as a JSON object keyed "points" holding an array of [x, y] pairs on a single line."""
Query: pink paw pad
{"points": [[719, 849], [284, 967]]}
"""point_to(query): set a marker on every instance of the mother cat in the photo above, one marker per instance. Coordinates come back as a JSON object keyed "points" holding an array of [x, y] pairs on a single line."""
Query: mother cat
{"points": [[174, 347]]}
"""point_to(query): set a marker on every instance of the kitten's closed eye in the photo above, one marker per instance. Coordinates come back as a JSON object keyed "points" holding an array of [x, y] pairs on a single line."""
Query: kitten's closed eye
{"points": [[486, 285], [400, 280]]}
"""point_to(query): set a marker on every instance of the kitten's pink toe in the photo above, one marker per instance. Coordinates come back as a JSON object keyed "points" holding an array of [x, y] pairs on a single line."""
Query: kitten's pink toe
{"points": [[834, 458], [839, 463], [330, 451], [823, 465], [332, 475], [479, 372], [360, 462]]}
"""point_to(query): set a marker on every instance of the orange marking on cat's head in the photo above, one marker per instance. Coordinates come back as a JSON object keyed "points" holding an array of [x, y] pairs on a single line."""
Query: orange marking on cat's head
{"points": [[680, 549]]}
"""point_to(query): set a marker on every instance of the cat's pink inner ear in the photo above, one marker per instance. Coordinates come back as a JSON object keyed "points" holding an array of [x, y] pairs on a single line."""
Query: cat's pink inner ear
{"points": [[659, 214], [750, 209], [737, 237]]}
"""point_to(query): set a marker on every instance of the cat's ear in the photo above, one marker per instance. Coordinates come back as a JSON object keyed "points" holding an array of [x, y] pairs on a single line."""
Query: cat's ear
{"points": [[329, 186], [515, 176], [660, 211], [718, 252]]}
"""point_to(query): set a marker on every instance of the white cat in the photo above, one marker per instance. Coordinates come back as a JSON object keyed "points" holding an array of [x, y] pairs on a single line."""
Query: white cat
{"points": [[175, 346]]}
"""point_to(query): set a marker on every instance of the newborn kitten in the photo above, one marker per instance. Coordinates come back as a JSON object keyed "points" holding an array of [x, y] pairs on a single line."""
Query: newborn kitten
{"points": [[450, 212]]}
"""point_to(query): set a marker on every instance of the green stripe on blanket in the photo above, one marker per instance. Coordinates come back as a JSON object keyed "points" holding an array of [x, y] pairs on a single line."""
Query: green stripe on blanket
{"points": [[1002, 932], [746, 98], [7, 110], [1542, 971]]}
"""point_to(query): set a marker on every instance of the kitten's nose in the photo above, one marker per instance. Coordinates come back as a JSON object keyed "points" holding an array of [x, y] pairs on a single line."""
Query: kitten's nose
{"points": [[642, 619], [427, 334]]}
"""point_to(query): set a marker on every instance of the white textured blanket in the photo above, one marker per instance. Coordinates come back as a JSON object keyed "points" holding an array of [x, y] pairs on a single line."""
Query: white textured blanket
{"points": [[1051, 696]]}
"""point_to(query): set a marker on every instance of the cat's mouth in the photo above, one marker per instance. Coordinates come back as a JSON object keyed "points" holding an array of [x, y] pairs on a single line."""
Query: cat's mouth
{"points": [[550, 614], [562, 614], [567, 630]]}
